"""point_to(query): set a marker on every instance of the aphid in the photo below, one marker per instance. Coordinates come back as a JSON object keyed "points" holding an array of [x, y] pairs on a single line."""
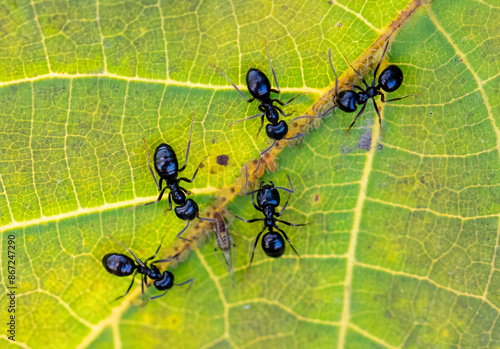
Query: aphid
{"points": [[389, 80], [224, 241], [167, 168], [268, 199], [122, 265], [260, 88]]}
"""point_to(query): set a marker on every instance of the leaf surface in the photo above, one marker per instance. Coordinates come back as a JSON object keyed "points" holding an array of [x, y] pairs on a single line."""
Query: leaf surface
{"points": [[404, 226]]}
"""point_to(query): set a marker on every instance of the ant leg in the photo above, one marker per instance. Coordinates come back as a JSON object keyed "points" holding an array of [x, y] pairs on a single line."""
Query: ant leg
{"points": [[291, 191], [157, 250], [292, 224], [254, 205], [167, 260], [251, 220], [309, 116], [129, 251], [382, 98], [357, 72], [283, 113], [356, 118], [170, 201], [327, 111], [161, 295], [381, 58], [189, 143], [289, 242], [261, 124], [213, 220], [221, 72], [298, 135], [358, 87], [249, 118], [284, 206], [246, 179], [195, 172], [255, 244], [246, 185], [149, 165], [142, 285], [263, 152], [378, 113], [289, 101], [190, 282], [182, 231], [187, 192], [157, 200], [272, 69], [334, 72], [129, 288]]}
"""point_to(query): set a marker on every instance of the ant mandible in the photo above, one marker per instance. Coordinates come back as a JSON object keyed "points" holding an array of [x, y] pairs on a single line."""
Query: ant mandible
{"points": [[167, 168], [260, 88], [389, 80], [122, 265], [268, 199]]}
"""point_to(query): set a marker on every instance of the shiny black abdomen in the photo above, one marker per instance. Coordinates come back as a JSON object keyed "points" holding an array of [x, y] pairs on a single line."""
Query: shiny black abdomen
{"points": [[278, 131], [165, 160], [188, 211], [118, 264], [391, 78], [347, 100], [166, 282], [273, 244], [268, 196], [258, 84]]}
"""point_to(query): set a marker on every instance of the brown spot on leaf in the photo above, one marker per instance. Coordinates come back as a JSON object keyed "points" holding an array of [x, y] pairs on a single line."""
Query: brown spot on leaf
{"points": [[316, 198], [222, 160]]}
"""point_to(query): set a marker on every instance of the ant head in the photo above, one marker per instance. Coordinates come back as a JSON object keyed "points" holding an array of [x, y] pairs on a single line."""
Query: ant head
{"points": [[118, 264], [346, 101], [258, 84], [273, 244], [166, 164], [391, 78], [178, 196], [166, 282], [277, 131], [268, 195], [188, 211]]}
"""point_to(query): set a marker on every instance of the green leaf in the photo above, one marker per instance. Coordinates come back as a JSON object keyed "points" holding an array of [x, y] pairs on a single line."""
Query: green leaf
{"points": [[404, 226]]}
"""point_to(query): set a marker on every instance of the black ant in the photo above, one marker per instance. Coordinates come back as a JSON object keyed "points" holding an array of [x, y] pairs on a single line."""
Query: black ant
{"points": [[122, 265], [167, 167], [260, 88], [268, 199], [389, 80]]}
